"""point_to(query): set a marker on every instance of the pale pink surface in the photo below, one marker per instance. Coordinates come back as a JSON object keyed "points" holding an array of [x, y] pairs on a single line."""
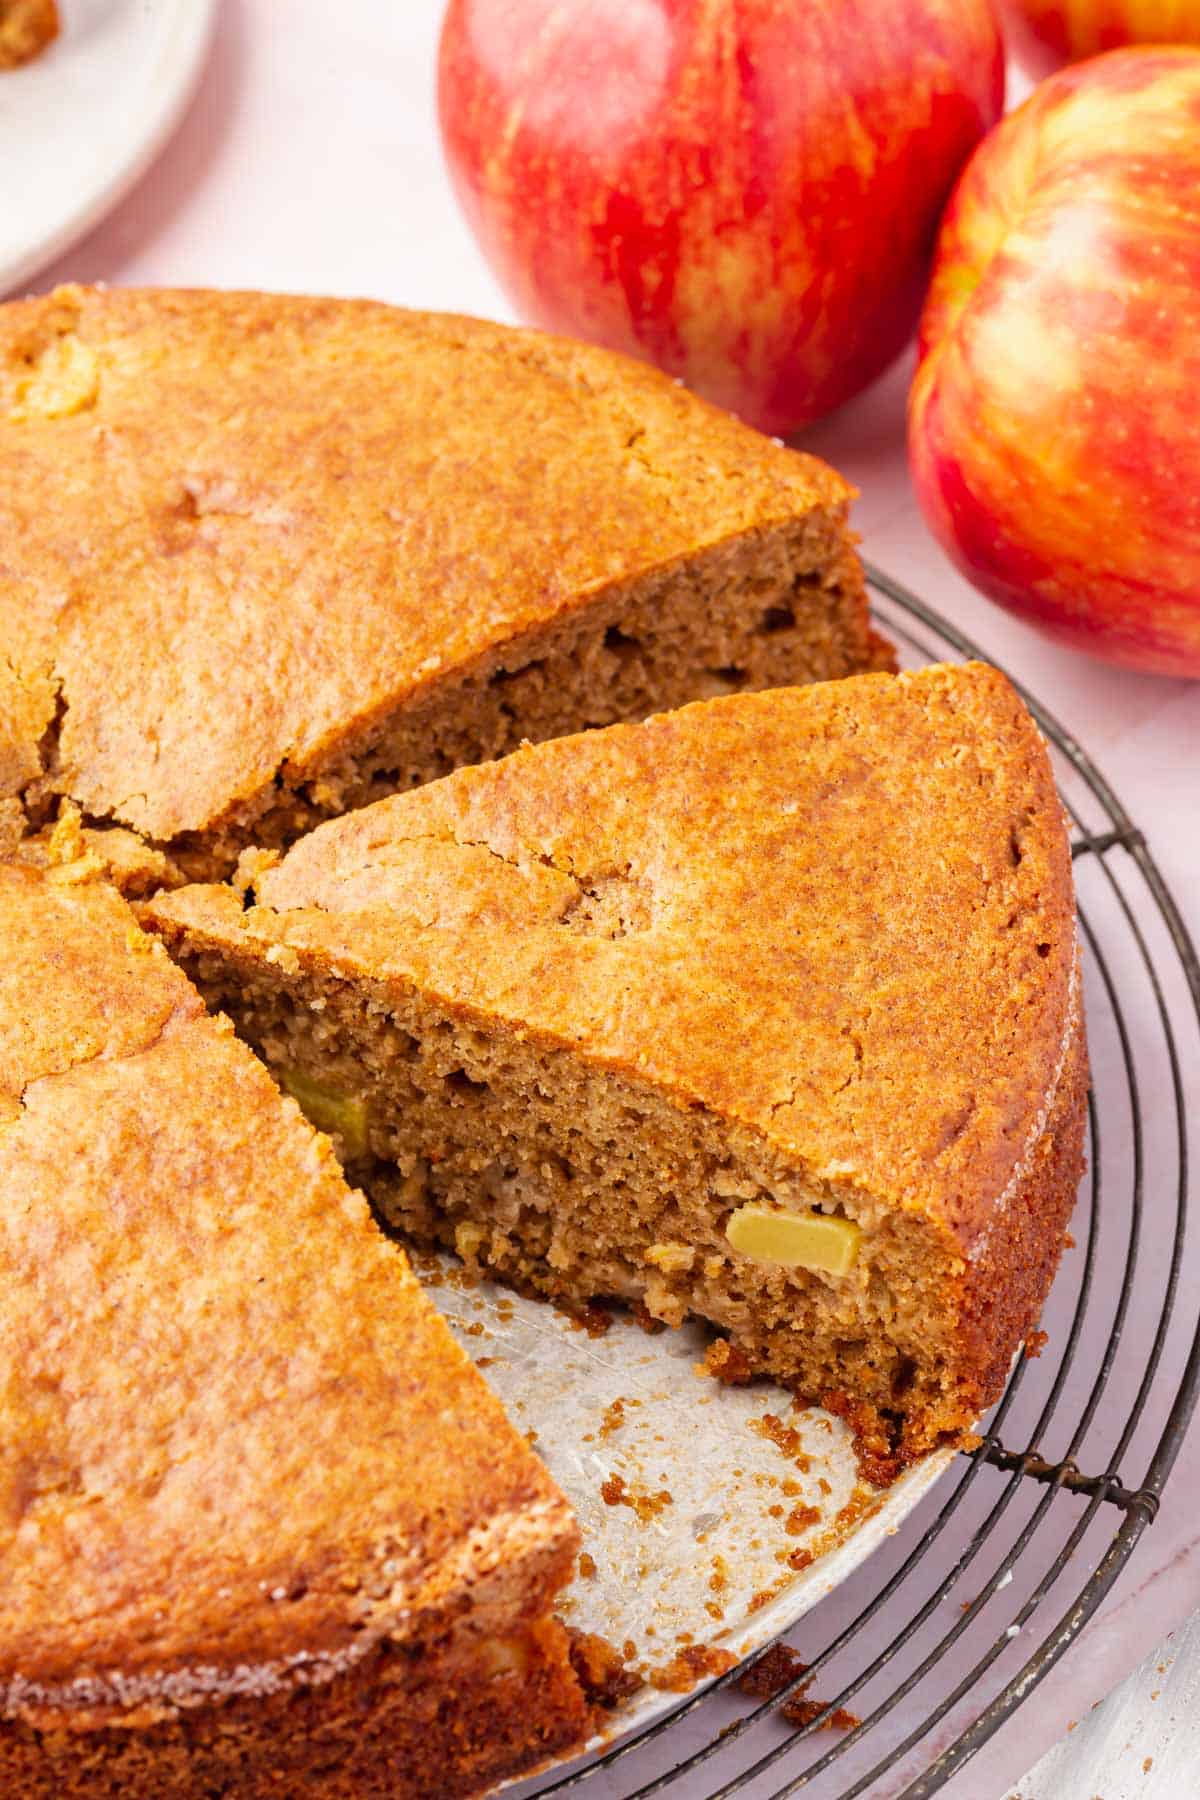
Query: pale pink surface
{"points": [[310, 161]]}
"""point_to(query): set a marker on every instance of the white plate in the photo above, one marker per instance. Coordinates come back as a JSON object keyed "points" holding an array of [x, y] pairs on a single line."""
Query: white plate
{"points": [[692, 1546], [80, 123]]}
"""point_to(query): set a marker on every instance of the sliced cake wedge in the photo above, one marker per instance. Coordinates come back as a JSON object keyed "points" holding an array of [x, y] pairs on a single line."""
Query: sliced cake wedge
{"points": [[766, 1010], [268, 557], [263, 1530]]}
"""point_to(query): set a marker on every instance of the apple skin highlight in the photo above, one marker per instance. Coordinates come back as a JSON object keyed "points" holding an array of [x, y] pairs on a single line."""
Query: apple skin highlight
{"points": [[1054, 426], [746, 195]]}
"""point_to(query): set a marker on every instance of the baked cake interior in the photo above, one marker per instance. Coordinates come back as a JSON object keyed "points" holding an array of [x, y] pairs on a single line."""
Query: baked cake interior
{"points": [[421, 541], [262, 1525], [763, 1011]]}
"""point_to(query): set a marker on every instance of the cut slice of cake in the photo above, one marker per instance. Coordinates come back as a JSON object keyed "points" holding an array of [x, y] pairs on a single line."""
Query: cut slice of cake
{"points": [[766, 1010], [267, 557], [263, 1530]]}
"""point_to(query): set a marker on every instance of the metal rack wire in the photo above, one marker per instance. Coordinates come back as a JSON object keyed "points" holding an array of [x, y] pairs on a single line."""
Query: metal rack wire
{"points": [[1023, 1538]]}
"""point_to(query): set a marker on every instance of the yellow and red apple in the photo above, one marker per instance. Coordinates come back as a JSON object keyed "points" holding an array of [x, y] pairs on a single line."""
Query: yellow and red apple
{"points": [[1054, 422], [745, 192], [1048, 33]]}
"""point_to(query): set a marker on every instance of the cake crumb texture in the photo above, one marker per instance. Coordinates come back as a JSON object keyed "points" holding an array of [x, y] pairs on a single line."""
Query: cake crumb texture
{"points": [[356, 547], [259, 1517], [812, 949]]}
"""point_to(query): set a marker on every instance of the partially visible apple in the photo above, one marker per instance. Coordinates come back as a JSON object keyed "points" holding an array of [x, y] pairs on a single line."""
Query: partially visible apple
{"points": [[1048, 33], [1054, 423], [745, 192]]}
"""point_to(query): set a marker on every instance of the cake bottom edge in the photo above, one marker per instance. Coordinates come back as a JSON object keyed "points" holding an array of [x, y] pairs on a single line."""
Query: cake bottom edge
{"points": [[453, 1718]]}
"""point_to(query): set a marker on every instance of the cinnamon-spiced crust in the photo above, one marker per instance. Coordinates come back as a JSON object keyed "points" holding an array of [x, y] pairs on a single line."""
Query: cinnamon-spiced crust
{"points": [[808, 950], [26, 28], [260, 1519], [346, 548]]}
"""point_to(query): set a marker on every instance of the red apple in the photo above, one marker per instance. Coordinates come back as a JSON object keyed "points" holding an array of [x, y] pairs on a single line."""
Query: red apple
{"points": [[1054, 422], [1048, 33], [744, 192]]}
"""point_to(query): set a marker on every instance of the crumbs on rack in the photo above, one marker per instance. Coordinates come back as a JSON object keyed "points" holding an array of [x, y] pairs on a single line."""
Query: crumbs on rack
{"points": [[692, 1664], [776, 1670]]}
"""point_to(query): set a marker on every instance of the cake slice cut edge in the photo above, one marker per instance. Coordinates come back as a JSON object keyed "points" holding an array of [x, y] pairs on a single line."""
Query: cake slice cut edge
{"points": [[765, 1011], [359, 546], [261, 1521]]}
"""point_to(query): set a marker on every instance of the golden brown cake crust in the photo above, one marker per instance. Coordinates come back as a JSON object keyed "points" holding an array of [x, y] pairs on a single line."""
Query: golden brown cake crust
{"points": [[842, 916], [999, 1296], [245, 1458], [26, 27], [305, 513], [1008, 1279], [25, 708], [813, 949]]}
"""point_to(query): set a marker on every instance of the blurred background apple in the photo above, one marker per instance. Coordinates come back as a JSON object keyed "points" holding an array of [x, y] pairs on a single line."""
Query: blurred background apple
{"points": [[1048, 33], [744, 192], [1054, 422]]}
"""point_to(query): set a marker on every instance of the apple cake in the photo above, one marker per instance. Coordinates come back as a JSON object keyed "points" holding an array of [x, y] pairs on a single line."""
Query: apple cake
{"points": [[267, 558], [263, 1529], [766, 1011], [20, 723], [26, 27]]}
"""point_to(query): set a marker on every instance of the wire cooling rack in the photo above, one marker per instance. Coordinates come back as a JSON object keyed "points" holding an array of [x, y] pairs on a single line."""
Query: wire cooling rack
{"points": [[940, 1635]]}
